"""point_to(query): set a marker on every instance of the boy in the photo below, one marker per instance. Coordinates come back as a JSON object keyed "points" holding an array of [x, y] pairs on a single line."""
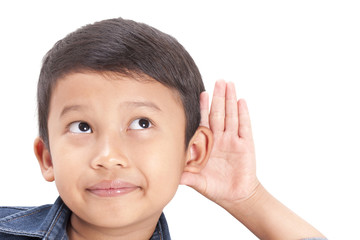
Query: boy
{"points": [[119, 118]]}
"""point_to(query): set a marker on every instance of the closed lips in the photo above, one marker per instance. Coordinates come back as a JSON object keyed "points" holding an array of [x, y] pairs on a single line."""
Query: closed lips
{"points": [[112, 188]]}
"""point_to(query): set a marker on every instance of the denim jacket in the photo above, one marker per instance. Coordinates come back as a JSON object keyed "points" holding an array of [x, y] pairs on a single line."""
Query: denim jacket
{"points": [[49, 222]]}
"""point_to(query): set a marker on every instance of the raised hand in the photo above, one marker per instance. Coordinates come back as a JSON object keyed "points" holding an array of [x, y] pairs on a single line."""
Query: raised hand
{"points": [[230, 174], [229, 178]]}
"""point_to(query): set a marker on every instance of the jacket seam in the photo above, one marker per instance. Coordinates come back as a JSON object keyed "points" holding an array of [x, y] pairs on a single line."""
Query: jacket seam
{"points": [[54, 222], [16, 208], [11, 219], [159, 230], [29, 234]]}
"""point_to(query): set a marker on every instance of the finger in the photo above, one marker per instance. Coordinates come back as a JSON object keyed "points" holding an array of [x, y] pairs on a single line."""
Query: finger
{"points": [[244, 120], [194, 181], [231, 109], [217, 111], [204, 109]]}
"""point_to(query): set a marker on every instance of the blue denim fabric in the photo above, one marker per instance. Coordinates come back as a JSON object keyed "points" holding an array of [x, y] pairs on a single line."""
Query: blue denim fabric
{"points": [[49, 222]]}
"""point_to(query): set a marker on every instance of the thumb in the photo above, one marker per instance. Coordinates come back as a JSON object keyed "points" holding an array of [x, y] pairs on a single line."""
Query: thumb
{"points": [[194, 181]]}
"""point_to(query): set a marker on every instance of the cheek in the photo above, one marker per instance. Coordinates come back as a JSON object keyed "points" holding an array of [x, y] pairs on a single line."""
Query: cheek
{"points": [[69, 170], [162, 163], [68, 166], [163, 178]]}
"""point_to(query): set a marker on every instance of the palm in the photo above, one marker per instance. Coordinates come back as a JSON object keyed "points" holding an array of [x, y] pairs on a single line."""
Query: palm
{"points": [[230, 173]]}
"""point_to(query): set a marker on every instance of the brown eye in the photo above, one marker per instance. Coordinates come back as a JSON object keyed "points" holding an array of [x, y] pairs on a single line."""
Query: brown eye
{"points": [[140, 123], [80, 127], [144, 123]]}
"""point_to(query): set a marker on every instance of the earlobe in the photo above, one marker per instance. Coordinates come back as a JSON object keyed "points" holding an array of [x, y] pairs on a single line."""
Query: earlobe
{"points": [[199, 150], [44, 158]]}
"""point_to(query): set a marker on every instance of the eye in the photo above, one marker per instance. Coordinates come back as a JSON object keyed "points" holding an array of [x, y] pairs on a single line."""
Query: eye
{"points": [[80, 127], [140, 123]]}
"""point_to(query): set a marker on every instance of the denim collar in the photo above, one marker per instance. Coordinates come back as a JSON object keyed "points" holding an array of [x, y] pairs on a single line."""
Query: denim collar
{"points": [[50, 221]]}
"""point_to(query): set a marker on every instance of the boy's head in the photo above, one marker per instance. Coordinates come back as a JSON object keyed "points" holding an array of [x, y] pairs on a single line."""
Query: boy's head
{"points": [[117, 102], [127, 48]]}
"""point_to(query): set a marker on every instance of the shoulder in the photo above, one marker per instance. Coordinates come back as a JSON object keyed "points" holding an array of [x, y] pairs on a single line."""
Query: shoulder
{"points": [[11, 214], [19, 222], [30, 222]]}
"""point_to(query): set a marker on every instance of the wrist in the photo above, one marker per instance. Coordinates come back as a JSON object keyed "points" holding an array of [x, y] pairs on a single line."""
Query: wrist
{"points": [[244, 207], [268, 218]]}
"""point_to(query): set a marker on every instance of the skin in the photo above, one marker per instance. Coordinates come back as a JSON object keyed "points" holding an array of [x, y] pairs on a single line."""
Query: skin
{"points": [[112, 151], [115, 147], [233, 156]]}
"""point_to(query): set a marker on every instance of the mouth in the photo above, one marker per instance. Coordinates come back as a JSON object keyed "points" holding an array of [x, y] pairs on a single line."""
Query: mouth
{"points": [[112, 188]]}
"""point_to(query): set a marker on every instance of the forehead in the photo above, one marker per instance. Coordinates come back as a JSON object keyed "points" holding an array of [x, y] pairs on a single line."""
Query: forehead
{"points": [[109, 88]]}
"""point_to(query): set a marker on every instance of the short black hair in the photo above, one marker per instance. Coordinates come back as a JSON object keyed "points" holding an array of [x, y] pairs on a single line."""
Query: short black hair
{"points": [[124, 47]]}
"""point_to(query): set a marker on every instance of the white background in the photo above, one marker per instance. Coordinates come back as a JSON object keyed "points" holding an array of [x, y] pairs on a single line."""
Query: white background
{"points": [[297, 63]]}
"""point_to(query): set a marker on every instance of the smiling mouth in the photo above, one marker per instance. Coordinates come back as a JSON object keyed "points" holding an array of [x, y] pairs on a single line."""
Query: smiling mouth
{"points": [[112, 188]]}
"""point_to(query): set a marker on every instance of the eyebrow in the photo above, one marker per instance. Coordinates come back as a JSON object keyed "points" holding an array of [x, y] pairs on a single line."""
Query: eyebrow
{"points": [[135, 104], [131, 104], [71, 108]]}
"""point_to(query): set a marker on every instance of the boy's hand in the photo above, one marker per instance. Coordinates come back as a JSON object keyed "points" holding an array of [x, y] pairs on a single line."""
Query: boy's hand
{"points": [[229, 178], [230, 174]]}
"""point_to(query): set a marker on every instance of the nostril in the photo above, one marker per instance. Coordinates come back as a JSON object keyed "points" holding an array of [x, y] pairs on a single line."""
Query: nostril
{"points": [[108, 163], [109, 159], [100, 165]]}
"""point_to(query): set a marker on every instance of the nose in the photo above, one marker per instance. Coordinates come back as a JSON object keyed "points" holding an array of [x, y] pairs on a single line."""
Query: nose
{"points": [[109, 153]]}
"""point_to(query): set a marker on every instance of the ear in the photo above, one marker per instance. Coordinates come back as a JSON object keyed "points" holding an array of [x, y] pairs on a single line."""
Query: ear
{"points": [[199, 150], [44, 158]]}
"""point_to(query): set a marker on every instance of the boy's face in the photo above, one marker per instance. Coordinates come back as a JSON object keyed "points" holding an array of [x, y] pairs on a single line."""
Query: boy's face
{"points": [[117, 147]]}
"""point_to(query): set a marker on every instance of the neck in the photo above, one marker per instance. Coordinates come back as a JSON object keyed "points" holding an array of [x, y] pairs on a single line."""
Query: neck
{"points": [[80, 230]]}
